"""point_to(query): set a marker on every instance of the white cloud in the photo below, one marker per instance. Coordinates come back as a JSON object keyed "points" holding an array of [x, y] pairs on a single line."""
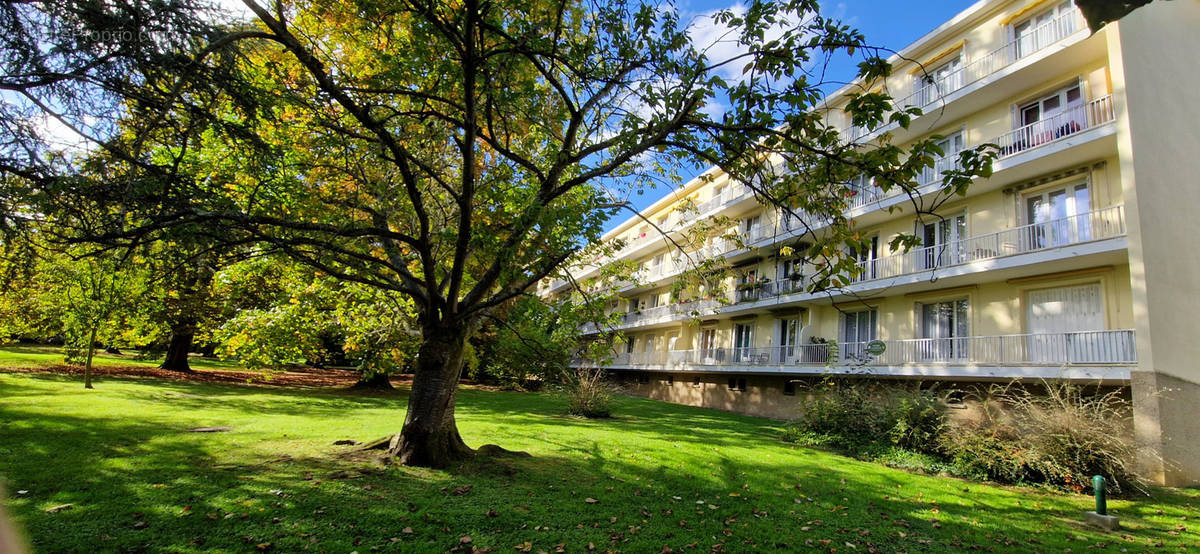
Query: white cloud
{"points": [[720, 43]]}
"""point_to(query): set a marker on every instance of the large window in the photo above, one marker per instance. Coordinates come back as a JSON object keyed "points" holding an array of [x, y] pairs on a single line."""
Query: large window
{"points": [[709, 353], [1067, 323], [943, 240], [1053, 116], [752, 227], [1044, 28], [951, 145], [858, 329], [945, 328], [867, 258], [1058, 216], [939, 81], [789, 339], [743, 341]]}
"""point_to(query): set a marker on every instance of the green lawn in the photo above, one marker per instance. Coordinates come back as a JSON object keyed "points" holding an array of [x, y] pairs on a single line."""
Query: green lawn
{"points": [[659, 474], [45, 356]]}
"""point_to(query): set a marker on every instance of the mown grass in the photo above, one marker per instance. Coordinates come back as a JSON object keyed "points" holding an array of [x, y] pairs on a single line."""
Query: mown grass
{"points": [[46, 356], [661, 475]]}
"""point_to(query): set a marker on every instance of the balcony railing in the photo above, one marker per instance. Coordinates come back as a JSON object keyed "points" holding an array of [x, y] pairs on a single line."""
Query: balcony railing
{"points": [[1104, 223], [665, 311], [1106, 347], [1072, 120], [1039, 38], [762, 290]]}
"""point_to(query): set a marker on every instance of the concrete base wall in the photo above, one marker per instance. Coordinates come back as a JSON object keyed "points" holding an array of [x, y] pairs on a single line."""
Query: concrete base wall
{"points": [[1166, 424]]}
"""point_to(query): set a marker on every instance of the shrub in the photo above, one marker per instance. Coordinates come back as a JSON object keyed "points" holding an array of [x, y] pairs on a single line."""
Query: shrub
{"points": [[859, 414], [1060, 435], [588, 393]]}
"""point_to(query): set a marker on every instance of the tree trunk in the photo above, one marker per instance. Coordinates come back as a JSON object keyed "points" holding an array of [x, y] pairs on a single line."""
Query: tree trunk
{"points": [[87, 366], [377, 381], [177, 350], [430, 435]]}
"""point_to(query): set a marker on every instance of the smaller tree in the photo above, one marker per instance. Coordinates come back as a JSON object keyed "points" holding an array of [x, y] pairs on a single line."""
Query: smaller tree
{"points": [[90, 294]]}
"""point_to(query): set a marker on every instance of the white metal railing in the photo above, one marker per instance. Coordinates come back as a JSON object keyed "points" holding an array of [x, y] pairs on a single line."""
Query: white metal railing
{"points": [[1080, 347], [1070, 121], [1095, 225], [761, 290], [1039, 38], [1116, 347]]}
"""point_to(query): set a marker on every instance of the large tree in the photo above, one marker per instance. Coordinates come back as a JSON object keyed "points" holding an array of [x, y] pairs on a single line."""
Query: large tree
{"points": [[454, 152]]}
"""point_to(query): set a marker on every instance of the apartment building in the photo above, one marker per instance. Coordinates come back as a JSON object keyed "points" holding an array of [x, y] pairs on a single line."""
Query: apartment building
{"points": [[1061, 265]]}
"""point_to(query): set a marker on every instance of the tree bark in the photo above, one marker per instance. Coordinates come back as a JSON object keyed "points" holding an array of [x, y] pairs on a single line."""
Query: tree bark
{"points": [[178, 349], [87, 366], [377, 381], [430, 435]]}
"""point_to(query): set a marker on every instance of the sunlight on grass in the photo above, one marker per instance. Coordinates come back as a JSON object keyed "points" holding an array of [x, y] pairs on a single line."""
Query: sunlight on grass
{"points": [[46, 356], [659, 475]]}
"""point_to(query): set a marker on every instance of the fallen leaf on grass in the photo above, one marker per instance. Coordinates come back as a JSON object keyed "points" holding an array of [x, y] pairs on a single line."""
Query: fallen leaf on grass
{"points": [[591, 500], [59, 508], [462, 490]]}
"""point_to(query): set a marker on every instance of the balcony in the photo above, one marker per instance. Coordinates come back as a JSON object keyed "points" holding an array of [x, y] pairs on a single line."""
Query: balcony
{"points": [[1039, 38], [1043, 350], [1071, 121], [1099, 224], [761, 290]]}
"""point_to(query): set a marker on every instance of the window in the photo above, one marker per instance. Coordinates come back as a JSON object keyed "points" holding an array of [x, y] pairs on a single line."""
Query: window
{"points": [[743, 338], [789, 339], [944, 241], [696, 382], [790, 269], [643, 378], [1067, 324], [938, 81], [951, 145], [864, 191], [946, 329], [1058, 216], [752, 227], [867, 260], [789, 388], [670, 380], [1056, 115], [652, 300], [858, 329], [708, 346], [737, 384], [629, 345], [1044, 28]]}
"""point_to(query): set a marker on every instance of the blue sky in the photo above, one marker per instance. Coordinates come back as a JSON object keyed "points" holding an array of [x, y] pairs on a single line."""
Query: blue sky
{"points": [[886, 23]]}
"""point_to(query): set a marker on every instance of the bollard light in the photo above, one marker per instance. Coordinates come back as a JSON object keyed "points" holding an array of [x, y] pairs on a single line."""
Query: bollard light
{"points": [[1101, 502]]}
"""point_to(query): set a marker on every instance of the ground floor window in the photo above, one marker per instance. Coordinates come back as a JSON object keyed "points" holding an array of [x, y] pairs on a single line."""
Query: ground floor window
{"points": [[737, 384], [945, 328], [743, 338], [789, 388], [858, 330]]}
